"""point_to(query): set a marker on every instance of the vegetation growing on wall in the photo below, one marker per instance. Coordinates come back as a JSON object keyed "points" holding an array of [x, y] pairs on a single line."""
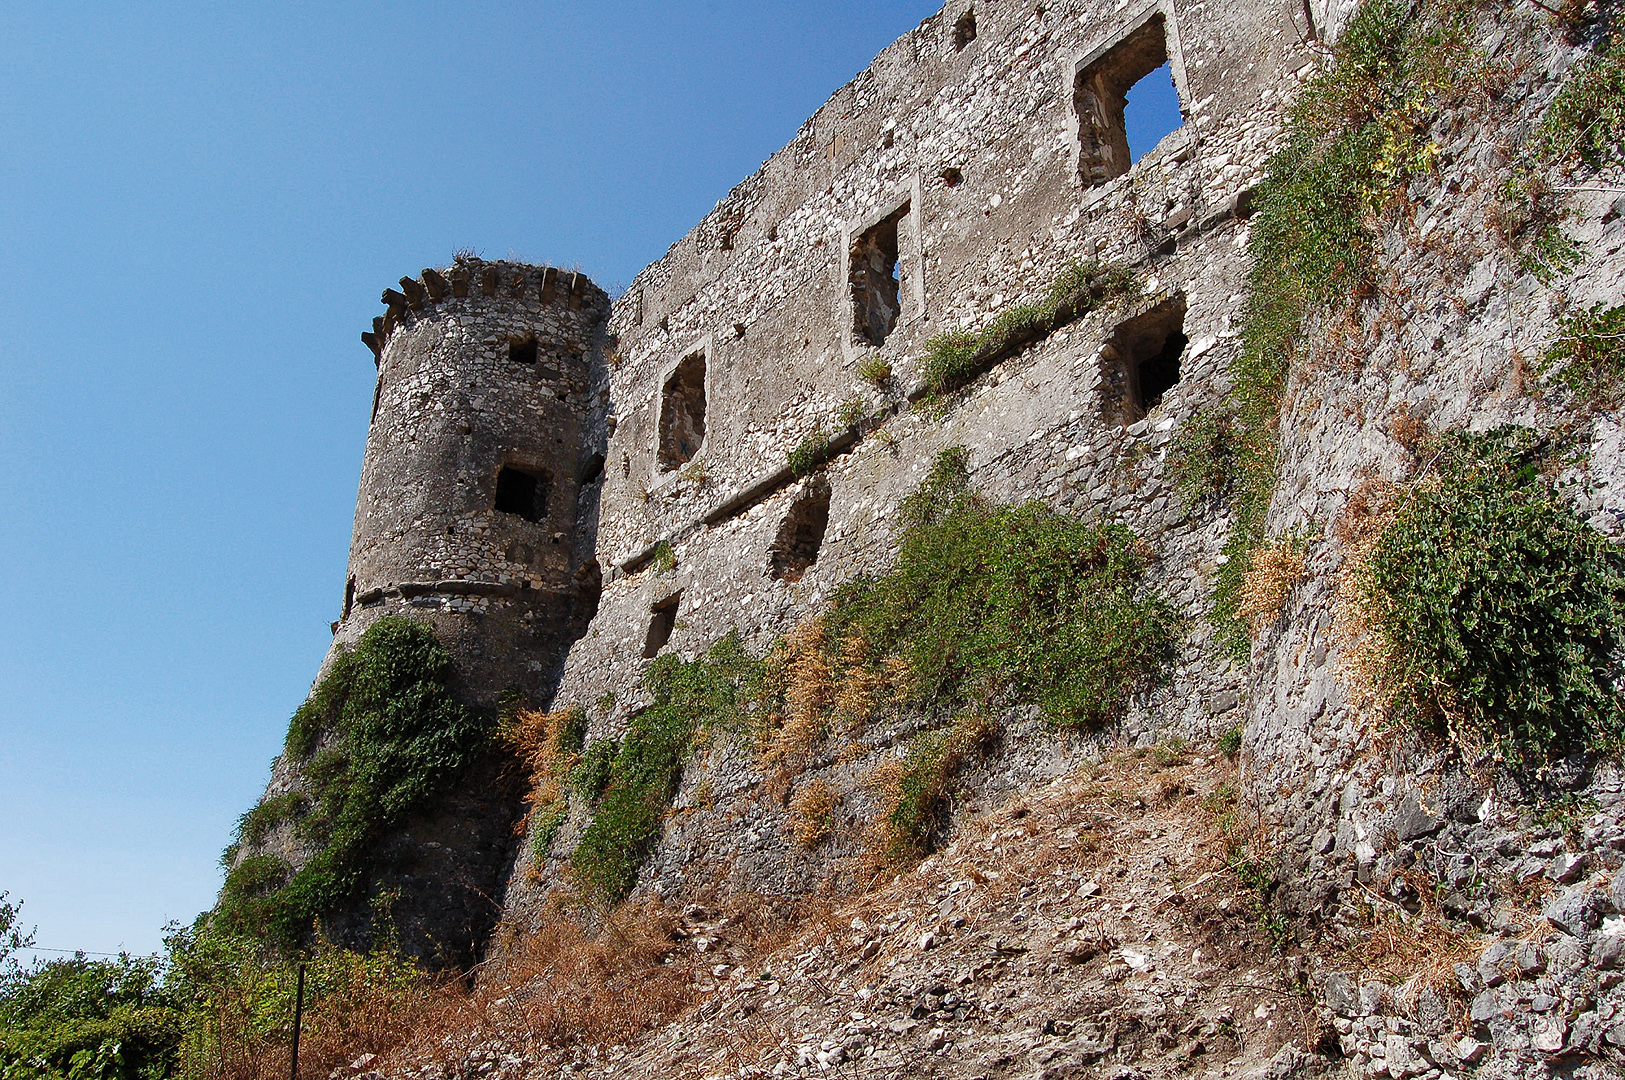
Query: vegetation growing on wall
{"points": [[952, 359], [987, 606], [1584, 128], [809, 454], [1355, 138], [914, 790], [1588, 355], [379, 738], [548, 746], [1497, 613], [646, 768], [992, 603]]}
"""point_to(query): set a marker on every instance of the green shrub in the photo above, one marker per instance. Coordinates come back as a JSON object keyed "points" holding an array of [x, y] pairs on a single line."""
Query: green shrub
{"points": [[91, 1019], [1500, 612], [989, 602], [1589, 354], [1584, 126], [950, 360], [549, 819], [1229, 743], [664, 559], [392, 738], [1585, 123], [591, 773], [233, 1002], [12, 938], [809, 454], [648, 765]]}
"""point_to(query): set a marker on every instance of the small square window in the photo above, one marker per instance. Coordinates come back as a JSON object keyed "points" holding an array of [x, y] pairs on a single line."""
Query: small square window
{"points": [[522, 492], [662, 622], [1143, 362], [965, 30], [522, 352]]}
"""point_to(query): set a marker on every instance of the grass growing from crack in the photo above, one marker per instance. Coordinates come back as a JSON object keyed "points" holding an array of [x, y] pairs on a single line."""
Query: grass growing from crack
{"points": [[955, 357], [875, 371], [809, 454]]}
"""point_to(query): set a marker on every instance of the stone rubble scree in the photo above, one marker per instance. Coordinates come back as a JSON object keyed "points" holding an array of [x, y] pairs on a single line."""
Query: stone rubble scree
{"points": [[648, 438]]}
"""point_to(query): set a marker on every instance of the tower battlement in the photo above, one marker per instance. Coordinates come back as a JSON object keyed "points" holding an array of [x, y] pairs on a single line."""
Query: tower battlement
{"points": [[475, 279]]}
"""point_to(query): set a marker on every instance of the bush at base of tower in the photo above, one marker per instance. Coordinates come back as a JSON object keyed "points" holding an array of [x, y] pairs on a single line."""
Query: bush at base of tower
{"points": [[379, 738]]}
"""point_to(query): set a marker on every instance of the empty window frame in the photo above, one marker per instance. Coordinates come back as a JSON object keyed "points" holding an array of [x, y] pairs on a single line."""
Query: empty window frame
{"points": [[874, 278], [662, 621], [1142, 362], [801, 534], [682, 413], [522, 352], [965, 30], [1100, 87], [523, 492]]}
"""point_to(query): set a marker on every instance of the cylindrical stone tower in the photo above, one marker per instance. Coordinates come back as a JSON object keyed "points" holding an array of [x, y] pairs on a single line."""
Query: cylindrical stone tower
{"points": [[476, 454]]}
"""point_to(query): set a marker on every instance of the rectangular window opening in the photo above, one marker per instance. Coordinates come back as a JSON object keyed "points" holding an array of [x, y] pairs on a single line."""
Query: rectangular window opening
{"points": [[875, 280], [965, 30], [682, 413], [522, 492], [1142, 362], [662, 621], [1125, 101], [801, 533], [522, 352]]}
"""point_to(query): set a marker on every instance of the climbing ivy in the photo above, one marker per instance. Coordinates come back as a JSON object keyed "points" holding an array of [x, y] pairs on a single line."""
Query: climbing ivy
{"points": [[379, 738]]}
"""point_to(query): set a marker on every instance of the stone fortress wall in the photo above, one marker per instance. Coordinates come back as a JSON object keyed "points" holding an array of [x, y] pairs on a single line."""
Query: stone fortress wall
{"points": [[983, 153], [975, 160], [971, 158]]}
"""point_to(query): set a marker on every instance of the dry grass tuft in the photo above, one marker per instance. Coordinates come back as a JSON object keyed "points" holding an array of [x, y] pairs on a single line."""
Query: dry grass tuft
{"points": [[542, 742], [812, 813], [1274, 569], [1412, 953], [370, 1010], [1408, 430], [1364, 653]]}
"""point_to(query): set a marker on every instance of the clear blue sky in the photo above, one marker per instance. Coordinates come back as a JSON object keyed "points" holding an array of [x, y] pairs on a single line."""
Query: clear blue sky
{"points": [[198, 209]]}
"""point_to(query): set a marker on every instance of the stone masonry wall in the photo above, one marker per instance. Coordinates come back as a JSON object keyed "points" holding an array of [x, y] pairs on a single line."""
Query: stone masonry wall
{"points": [[761, 289]]}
